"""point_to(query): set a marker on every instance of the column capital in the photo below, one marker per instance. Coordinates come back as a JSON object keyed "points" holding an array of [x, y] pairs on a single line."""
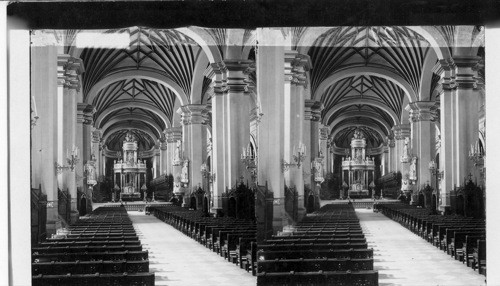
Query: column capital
{"points": [[422, 111], [300, 66], [220, 81], [192, 114], [236, 74], [312, 110], [323, 133], [85, 113], [173, 134], [401, 131], [96, 135], [466, 67], [68, 71]]}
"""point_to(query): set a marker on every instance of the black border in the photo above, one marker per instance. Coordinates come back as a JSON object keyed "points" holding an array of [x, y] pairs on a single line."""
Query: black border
{"points": [[252, 13]]}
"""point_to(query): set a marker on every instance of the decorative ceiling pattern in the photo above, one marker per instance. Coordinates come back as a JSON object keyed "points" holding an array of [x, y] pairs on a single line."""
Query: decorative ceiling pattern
{"points": [[343, 137], [144, 141], [397, 50]]}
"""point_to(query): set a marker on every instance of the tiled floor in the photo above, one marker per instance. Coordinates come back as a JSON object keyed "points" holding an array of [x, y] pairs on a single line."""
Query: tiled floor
{"points": [[404, 258], [178, 260]]}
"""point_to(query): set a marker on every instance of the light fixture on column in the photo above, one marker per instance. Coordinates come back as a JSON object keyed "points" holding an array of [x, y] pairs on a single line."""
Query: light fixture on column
{"points": [[249, 159], [72, 160], [206, 173], [476, 154], [297, 155]]}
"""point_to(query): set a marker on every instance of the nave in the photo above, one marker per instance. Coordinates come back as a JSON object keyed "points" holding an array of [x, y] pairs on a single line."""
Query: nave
{"points": [[400, 257], [178, 260], [403, 258]]}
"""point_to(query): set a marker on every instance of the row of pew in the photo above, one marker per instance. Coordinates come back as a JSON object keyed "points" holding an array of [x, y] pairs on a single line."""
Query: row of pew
{"points": [[464, 238], [101, 248], [327, 247], [231, 238]]}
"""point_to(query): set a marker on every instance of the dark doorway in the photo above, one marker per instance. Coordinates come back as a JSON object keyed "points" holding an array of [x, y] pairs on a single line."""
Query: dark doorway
{"points": [[310, 204], [192, 203], [231, 211], [421, 200], [83, 207]]}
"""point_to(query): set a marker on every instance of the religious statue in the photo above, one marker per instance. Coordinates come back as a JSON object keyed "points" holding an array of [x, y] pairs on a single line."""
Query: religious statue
{"points": [[177, 153], [130, 158], [184, 173], [413, 169], [91, 177], [406, 155], [318, 171], [129, 137]]}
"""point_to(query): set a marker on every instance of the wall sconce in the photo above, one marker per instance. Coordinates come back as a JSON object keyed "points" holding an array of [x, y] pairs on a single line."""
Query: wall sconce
{"points": [[249, 160], [298, 156], [71, 160]]}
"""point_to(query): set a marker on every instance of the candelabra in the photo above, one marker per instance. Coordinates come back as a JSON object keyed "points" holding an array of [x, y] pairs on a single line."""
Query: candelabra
{"points": [[206, 173], [476, 154], [297, 155], [250, 162], [34, 111], [72, 160]]}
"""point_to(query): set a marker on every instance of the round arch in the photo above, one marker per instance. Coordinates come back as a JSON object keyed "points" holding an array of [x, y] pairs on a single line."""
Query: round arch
{"points": [[340, 127], [365, 101], [373, 116], [128, 126], [142, 73], [366, 70], [205, 40], [143, 119], [131, 104]]}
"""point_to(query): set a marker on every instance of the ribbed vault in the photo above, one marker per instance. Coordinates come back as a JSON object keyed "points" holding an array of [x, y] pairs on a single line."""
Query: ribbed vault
{"points": [[115, 140]]}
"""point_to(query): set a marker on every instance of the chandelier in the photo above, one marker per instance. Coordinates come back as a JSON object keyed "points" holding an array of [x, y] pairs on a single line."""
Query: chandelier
{"points": [[72, 160], [476, 154], [298, 156]]}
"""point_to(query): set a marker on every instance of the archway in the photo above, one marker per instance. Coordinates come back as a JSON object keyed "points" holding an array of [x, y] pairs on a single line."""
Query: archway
{"points": [[310, 204], [83, 206], [421, 200], [231, 210], [460, 205], [192, 203]]}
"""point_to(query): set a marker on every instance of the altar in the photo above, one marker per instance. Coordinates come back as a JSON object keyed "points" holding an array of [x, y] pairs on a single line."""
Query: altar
{"points": [[358, 169], [130, 172]]}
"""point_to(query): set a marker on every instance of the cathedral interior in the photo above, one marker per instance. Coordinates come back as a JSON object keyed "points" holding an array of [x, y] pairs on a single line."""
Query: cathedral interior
{"points": [[290, 152]]}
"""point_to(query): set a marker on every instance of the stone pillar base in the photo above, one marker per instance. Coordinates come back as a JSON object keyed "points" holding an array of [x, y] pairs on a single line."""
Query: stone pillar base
{"points": [[74, 216], [217, 212], [445, 210]]}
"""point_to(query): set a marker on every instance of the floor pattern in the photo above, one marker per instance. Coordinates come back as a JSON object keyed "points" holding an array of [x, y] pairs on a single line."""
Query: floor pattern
{"points": [[404, 258], [178, 260]]}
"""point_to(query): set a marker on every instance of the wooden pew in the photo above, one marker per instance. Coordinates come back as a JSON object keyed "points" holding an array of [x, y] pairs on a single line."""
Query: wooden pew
{"points": [[319, 278]]}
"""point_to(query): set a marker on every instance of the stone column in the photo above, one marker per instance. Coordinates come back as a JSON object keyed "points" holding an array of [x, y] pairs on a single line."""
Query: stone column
{"points": [[172, 135], [311, 117], [446, 156], [422, 114], [237, 119], [271, 80], [82, 120], [44, 89], [192, 119], [300, 64], [323, 145], [218, 130], [467, 121], [401, 132], [156, 162], [384, 160], [391, 143], [163, 156], [95, 150]]}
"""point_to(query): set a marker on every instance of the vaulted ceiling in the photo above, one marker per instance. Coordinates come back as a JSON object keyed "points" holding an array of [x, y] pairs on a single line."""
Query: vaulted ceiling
{"points": [[136, 100], [359, 74]]}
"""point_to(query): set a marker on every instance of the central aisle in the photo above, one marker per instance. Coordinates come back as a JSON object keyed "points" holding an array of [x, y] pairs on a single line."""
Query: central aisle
{"points": [[403, 258], [178, 260]]}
